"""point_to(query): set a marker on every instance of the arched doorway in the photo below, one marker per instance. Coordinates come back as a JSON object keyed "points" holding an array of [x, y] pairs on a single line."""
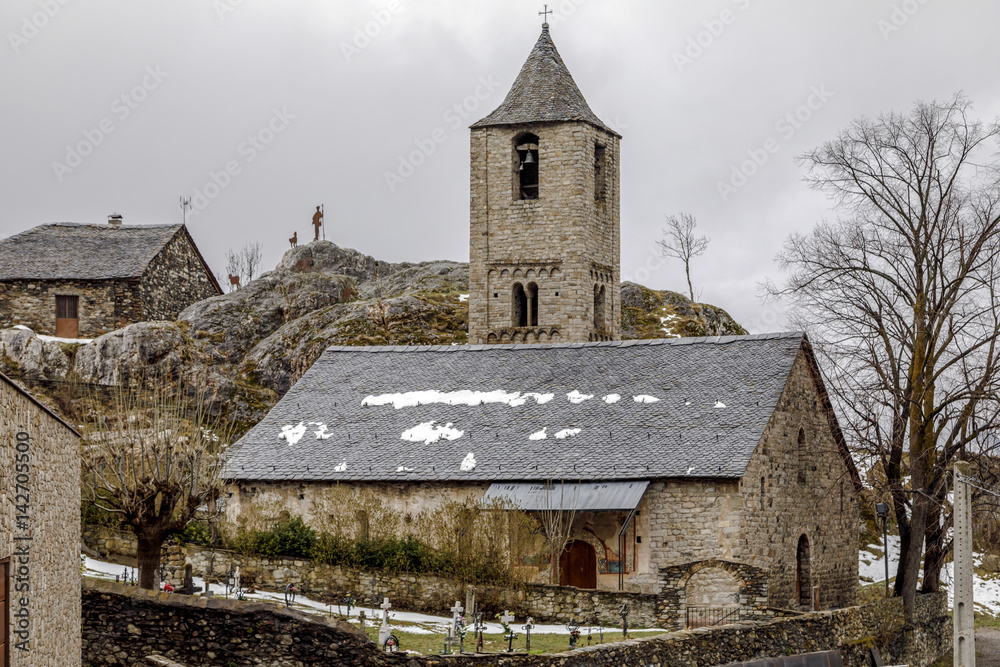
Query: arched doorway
{"points": [[803, 583], [578, 565]]}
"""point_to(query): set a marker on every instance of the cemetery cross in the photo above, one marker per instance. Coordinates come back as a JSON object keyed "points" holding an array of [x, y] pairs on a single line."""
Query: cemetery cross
{"points": [[383, 632]]}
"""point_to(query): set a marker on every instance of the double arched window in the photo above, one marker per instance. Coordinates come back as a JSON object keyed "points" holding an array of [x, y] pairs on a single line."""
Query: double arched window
{"points": [[600, 307], [526, 166]]}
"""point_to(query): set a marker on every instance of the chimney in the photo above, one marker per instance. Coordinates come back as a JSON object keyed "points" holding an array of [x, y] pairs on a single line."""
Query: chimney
{"points": [[115, 220]]}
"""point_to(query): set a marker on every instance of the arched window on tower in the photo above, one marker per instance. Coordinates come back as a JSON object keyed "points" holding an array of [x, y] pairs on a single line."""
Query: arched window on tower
{"points": [[526, 166], [532, 299], [803, 580], [600, 305], [600, 171], [802, 454], [518, 306]]}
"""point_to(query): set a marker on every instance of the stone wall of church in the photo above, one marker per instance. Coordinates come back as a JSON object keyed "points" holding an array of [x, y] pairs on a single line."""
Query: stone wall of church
{"points": [[104, 305], [807, 491], [174, 279], [39, 532], [566, 242]]}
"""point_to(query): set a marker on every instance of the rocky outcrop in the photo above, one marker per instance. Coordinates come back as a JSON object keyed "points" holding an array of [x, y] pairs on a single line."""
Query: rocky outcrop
{"points": [[249, 346]]}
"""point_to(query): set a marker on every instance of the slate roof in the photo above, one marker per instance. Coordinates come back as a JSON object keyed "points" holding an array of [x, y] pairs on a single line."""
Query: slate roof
{"points": [[544, 91], [75, 251], [683, 434]]}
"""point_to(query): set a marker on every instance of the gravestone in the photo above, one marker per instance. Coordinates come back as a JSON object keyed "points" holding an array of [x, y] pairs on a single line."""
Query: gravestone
{"points": [[383, 631], [507, 619]]}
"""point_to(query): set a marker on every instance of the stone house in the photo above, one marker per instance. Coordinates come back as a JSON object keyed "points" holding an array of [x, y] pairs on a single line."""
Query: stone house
{"points": [[39, 534], [81, 280], [708, 471], [544, 253]]}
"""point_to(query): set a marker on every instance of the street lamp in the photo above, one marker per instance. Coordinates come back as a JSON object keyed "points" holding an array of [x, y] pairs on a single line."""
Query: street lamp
{"points": [[882, 509]]}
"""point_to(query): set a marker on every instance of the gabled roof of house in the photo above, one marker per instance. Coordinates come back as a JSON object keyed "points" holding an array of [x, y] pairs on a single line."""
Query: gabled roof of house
{"points": [[687, 407], [544, 91], [75, 251]]}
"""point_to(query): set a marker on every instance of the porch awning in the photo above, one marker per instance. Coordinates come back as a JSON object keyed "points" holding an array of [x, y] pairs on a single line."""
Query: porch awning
{"points": [[580, 496]]}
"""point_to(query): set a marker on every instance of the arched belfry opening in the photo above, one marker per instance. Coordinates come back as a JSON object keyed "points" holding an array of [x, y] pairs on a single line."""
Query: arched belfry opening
{"points": [[526, 165]]}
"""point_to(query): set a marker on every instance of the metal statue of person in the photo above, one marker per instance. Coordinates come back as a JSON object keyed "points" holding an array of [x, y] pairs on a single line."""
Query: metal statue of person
{"points": [[317, 221]]}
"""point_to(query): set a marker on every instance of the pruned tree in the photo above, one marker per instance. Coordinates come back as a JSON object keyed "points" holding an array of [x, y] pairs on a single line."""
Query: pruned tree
{"points": [[900, 296], [244, 263], [680, 242], [154, 459], [557, 522]]}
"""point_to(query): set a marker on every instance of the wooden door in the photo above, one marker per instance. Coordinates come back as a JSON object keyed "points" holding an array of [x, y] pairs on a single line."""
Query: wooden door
{"points": [[4, 614], [67, 317], [578, 565]]}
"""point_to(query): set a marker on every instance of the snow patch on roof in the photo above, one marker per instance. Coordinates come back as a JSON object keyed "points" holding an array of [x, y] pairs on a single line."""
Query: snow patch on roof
{"points": [[567, 432], [644, 398], [292, 433], [538, 435], [321, 431], [575, 397], [403, 469], [341, 468], [719, 404], [612, 398], [428, 433], [411, 399], [468, 463]]}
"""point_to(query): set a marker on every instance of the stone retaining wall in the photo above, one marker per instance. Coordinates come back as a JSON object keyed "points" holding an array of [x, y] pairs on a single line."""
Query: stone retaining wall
{"points": [[123, 624], [104, 541], [413, 592]]}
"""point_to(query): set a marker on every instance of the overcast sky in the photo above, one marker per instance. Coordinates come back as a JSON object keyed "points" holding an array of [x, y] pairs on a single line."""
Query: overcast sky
{"points": [[316, 102]]}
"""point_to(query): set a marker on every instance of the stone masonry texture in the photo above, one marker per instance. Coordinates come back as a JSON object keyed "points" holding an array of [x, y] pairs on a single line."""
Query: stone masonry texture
{"points": [[567, 241], [122, 625], [40, 480]]}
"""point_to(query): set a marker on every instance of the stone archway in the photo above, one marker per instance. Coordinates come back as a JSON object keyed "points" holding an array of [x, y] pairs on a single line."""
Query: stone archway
{"points": [[672, 602]]}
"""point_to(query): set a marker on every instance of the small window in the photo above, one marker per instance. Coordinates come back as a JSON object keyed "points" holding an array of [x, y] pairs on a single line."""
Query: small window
{"points": [[762, 493], [600, 172], [803, 456], [363, 528], [518, 306], [526, 158], [600, 306]]}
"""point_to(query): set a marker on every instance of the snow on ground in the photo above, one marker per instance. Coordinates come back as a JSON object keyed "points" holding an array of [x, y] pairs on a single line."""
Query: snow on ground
{"points": [[986, 590], [52, 339], [414, 623]]}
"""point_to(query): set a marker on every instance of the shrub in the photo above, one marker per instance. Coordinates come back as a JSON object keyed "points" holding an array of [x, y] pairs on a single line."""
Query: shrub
{"points": [[291, 537], [196, 533]]}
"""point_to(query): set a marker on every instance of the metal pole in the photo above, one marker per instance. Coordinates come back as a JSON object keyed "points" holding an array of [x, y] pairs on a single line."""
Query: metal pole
{"points": [[963, 618]]}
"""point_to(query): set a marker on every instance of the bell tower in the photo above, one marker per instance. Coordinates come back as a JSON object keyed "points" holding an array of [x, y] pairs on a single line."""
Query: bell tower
{"points": [[544, 250]]}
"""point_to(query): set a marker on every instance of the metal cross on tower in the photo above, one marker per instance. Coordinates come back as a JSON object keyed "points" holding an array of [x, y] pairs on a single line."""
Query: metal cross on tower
{"points": [[546, 14]]}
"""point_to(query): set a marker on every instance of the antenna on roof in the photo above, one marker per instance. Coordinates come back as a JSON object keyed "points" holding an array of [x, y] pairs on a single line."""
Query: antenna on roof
{"points": [[185, 206]]}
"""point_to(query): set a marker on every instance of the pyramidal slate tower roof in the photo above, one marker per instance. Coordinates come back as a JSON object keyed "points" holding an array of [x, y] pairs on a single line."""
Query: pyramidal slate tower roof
{"points": [[544, 91]]}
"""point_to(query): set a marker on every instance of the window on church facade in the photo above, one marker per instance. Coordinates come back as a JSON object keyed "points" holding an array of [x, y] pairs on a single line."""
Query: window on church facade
{"points": [[803, 583], [526, 166], [600, 171]]}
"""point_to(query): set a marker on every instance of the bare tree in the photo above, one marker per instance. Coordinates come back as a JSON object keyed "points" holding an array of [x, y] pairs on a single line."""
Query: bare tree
{"points": [[901, 298], [680, 242], [244, 263], [557, 522], [155, 461]]}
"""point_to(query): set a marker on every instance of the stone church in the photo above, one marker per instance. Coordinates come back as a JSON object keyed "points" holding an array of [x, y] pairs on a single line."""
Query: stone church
{"points": [[699, 471], [80, 280]]}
